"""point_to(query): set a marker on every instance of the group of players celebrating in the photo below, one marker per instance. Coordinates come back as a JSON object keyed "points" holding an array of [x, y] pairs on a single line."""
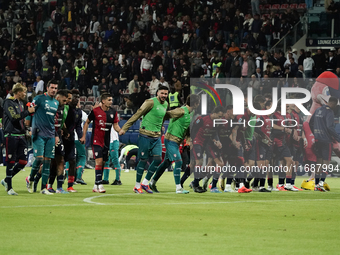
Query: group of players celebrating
{"points": [[255, 144], [54, 120]]}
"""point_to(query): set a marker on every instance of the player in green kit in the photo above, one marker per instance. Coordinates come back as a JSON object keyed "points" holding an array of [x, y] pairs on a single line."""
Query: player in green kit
{"points": [[44, 135], [177, 130], [149, 142]]}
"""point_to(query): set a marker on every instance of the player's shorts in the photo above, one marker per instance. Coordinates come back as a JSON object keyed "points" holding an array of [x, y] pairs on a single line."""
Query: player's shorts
{"points": [[70, 150], [16, 148], [198, 151], [80, 149], [234, 152], [100, 152], [263, 151], [323, 150], [149, 147], [172, 150], [250, 154], [60, 149], [282, 152], [43, 146]]}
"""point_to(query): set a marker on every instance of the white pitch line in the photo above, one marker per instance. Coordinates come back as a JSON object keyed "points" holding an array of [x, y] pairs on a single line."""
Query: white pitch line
{"points": [[88, 202]]}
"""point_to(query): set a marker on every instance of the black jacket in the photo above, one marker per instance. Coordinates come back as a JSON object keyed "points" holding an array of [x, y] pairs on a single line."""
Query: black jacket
{"points": [[14, 117]]}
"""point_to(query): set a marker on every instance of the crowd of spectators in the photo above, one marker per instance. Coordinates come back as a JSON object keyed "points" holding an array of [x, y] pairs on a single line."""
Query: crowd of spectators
{"points": [[128, 48]]}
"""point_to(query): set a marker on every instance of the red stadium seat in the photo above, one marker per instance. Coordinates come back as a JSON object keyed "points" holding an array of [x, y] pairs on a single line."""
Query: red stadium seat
{"points": [[293, 6], [302, 6], [83, 99], [91, 99], [275, 6], [284, 6]]}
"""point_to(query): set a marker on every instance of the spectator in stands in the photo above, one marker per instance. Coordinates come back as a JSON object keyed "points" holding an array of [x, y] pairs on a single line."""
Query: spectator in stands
{"points": [[123, 74], [154, 83], [161, 73], [83, 83], [40, 85], [146, 67], [66, 73], [164, 82], [116, 91], [134, 84], [103, 87], [308, 65], [177, 85], [248, 66]]}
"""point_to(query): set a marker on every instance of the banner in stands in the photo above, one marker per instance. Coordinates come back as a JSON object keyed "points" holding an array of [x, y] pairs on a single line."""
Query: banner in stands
{"points": [[323, 42]]}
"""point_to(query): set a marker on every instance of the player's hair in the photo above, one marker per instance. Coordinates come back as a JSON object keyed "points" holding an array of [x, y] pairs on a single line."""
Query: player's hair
{"points": [[259, 99], [18, 87], [161, 87], [68, 91], [257, 106], [62, 92], [218, 109], [333, 100], [268, 103], [230, 107], [104, 96], [75, 92], [52, 82], [192, 99]]}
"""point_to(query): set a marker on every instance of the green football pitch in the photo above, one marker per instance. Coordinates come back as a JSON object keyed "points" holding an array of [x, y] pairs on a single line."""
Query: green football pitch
{"points": [[121, 222]]}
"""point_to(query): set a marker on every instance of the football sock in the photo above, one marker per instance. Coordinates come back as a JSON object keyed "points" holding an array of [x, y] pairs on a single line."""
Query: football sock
{"points": [[270, 182], [117, 174], [153, 167], [140, 170], [37, 178], [317, 179], [35, 167], [214, 182], [99, 174], [106, 172], [161, 169], [262, 182], [186, 175], [19, 166], [229, 181], [45, 173], [177, 172], [9, 174], [281, 181], [60, 181]]}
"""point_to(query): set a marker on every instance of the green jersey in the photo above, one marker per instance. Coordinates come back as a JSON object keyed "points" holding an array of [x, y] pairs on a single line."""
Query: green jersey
{"points": [[179, 126], [45, 111], [249, 132], [153, 120]]}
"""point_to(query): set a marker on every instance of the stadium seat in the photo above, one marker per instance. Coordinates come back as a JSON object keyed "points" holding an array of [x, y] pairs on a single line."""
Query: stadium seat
{"points": [[125, 138], [83, 99], [293, 6], [302, 6], [122, 122], [284, 6], [134, 138], [136, 125], [89, 103], [275, 6], [91, 99], [88, 107]]}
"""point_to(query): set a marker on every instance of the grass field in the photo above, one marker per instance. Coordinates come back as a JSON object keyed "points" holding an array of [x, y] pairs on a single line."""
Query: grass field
{"points": [[121, 222]]}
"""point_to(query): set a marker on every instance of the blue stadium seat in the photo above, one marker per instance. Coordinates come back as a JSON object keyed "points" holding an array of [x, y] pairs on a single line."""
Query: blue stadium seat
{"points": [[134, 138], [122, 122], [125, 138], [136, 125]]}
